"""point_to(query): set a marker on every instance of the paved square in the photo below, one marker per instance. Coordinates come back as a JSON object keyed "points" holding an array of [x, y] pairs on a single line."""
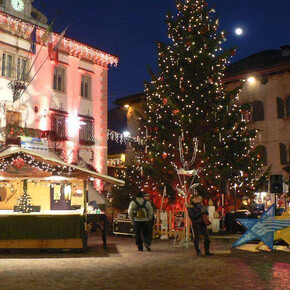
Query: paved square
{"points": [[166, 267]]}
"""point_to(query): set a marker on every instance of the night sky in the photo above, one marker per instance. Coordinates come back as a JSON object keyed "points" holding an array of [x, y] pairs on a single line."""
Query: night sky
{"points": [[130, 29]]}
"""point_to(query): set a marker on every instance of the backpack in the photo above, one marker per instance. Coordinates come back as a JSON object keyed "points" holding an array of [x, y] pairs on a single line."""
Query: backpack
{"points": [[141, 211]]}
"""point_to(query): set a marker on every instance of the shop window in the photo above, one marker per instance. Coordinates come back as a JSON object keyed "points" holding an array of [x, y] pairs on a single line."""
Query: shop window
{"points": [[283, 154], [288, 107], [87, 132], [86, 87], [262, 154], [21, 68], [7, 65], [13, 118], [258, 111], [59, 127], [58, 79], [280, 108]]}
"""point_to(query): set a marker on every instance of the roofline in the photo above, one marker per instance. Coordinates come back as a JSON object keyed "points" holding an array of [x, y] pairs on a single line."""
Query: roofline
{"points": [[264, 71], [104, 177], [135, 98], [24, 29]]}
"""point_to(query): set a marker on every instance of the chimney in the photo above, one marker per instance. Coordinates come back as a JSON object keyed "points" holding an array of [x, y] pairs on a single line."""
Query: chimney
{"points": [[285, 50]]}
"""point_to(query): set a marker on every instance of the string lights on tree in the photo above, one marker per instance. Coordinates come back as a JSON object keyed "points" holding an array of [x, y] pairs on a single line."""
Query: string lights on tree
{"points": [[187, 97]]}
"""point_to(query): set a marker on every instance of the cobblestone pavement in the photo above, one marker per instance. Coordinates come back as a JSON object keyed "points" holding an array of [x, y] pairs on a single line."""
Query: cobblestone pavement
{"points": [[166, 267]]}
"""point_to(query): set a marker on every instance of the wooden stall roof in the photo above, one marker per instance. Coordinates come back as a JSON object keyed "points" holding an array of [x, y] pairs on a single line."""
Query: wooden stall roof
{"points": [[78, 171]]}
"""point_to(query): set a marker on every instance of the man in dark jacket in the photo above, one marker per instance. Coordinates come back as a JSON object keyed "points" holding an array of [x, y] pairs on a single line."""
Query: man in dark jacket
{"points": [[141, 212], [195, 212]]}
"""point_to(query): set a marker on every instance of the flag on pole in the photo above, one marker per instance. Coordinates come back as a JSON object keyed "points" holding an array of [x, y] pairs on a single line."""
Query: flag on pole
{"points": [[58, 44], [47, 39], [50, 41], [33, 40]]}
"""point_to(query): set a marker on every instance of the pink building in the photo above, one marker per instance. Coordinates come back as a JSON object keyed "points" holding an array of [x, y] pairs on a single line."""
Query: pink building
{"points": [[65, 99]]}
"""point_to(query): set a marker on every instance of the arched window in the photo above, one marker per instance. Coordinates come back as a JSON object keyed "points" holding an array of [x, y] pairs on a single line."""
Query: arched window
{"points": [[280, 108], [258, 111], [288, 107], [262, 154], [283, 154]]}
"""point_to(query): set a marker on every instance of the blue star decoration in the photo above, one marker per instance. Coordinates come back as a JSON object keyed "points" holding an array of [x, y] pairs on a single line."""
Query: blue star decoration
{"points": [[262, 228]]}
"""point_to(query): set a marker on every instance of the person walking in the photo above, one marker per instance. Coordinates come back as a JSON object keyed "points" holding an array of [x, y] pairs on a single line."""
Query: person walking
{"points": [[152, 221], [141, 212], [195, 212]]}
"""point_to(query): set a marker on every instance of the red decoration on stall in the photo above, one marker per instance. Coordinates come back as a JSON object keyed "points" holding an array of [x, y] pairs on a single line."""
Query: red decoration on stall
{"points": [[19, 162]]}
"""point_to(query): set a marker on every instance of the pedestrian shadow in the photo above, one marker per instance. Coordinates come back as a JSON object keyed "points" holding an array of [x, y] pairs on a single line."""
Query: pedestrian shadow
{"points": [[94, 251]]}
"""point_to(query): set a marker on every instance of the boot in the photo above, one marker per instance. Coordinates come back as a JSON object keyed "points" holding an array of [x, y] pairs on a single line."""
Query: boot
{"points": [[197, 249], [206, 247]]}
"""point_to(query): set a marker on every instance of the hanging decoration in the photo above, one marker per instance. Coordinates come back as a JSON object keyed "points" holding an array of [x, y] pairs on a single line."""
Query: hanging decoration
{"points": [[120, 138], [19, 162]]}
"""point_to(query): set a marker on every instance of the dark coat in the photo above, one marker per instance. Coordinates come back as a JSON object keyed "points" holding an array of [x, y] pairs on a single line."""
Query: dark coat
{"points": [[195, 212]]}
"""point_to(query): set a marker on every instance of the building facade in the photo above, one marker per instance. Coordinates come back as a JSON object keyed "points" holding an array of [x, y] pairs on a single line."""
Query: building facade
{"points": [[63, 98], [267, 87]]}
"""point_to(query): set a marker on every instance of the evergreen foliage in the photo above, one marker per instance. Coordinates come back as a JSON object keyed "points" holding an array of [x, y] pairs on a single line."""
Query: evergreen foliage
{"points": [[187, 97]]}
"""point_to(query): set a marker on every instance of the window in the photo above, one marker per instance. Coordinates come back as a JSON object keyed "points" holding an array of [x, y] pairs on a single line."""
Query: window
{"points": [[87, 132], [262, 154], [59, 126], [280, 108], [283, 154], [258, 111], [13, 118], [58, 79], [288, 107], [7, 65], [21, 69], [86, 87]]}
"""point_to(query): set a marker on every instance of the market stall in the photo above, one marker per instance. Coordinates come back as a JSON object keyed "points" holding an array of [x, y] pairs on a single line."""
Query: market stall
{"points": [[43, 201]]}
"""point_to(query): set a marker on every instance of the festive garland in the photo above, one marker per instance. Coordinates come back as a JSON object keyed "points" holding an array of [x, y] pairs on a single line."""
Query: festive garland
{"points": [[19, 159], [120, 138], [78, 49], [15, 131]]}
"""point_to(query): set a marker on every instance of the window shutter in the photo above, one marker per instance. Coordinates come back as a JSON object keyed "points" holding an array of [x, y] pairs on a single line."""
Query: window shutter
{"points": [[263, 153], [288, 107], [258, 111], [280, 108], [283, 154]]}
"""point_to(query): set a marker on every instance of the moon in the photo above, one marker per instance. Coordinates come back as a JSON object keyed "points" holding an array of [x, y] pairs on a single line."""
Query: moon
{"points": [[239, 31]]}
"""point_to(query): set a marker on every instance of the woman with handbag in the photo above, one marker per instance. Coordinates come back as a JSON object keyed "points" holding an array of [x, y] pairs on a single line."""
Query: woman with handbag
{"points": [[199, 218]]}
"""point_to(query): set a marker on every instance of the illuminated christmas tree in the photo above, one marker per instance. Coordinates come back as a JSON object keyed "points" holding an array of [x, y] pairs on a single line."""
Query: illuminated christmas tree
{"points": [[187, 98], [24, 201]]}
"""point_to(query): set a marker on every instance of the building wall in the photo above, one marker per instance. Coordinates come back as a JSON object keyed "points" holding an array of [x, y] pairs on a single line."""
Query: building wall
{"points": [[40, 93], [272, 130]]}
